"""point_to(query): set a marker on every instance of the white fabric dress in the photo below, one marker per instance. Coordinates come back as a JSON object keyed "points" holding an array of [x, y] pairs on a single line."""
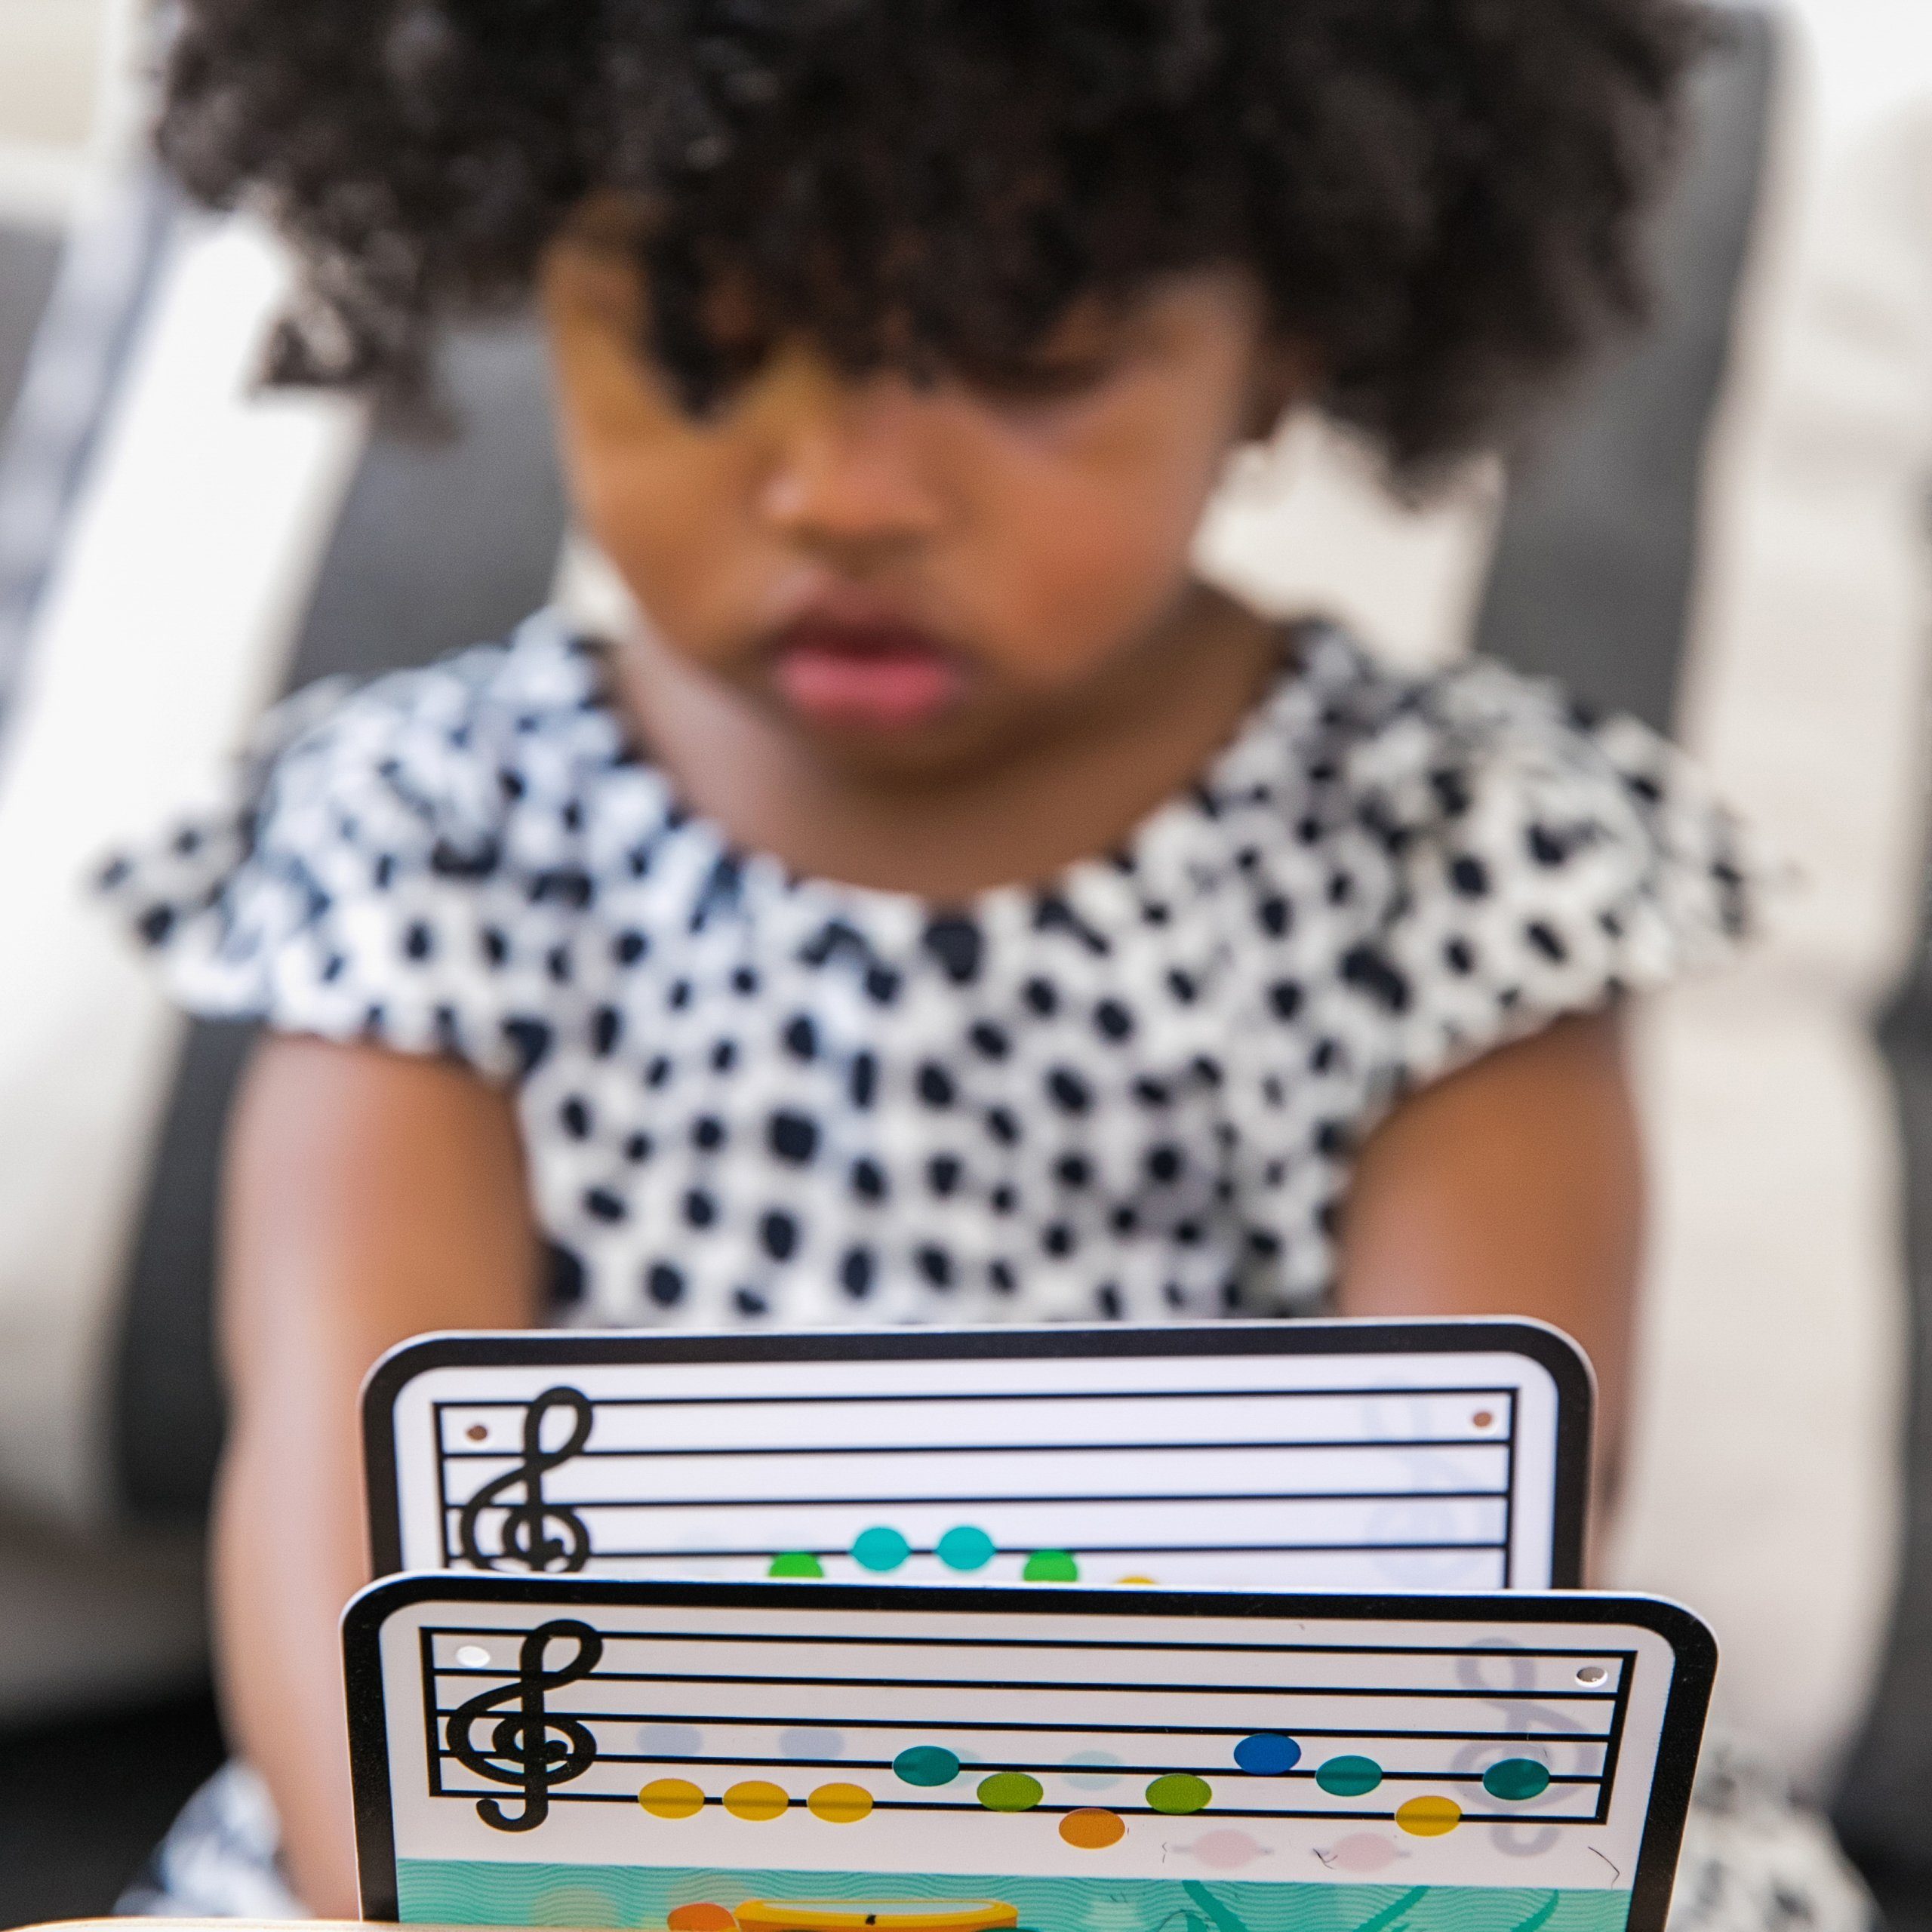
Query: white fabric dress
{"points": [[1134, 1092]]}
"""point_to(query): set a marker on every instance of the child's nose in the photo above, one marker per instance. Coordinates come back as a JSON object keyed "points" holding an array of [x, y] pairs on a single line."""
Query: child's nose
{"points": [[850, 466]]}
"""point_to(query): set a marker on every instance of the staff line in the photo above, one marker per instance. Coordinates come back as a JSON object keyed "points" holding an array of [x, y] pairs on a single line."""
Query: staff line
{"points": [[1225, 1445], [1097, 1498], [695, 1720], [1053, 1767], [883, 1640], [1255, 1691], [559, 1795], [1378, 1392]]}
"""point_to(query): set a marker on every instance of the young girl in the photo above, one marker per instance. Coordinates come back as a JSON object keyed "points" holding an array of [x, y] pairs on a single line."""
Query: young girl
{"points": [[937, 904]]}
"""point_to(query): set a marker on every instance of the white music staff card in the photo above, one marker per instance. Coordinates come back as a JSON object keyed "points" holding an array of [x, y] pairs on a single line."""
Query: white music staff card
{"points": [[808, 1757], [1330, 1455]]}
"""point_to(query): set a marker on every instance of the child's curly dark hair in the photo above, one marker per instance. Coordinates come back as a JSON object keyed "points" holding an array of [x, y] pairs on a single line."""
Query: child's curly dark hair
{"points": [[1440, 199]]}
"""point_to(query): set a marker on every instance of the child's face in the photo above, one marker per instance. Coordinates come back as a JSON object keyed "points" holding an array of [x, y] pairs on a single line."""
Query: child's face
{"points": [[913, 577]]}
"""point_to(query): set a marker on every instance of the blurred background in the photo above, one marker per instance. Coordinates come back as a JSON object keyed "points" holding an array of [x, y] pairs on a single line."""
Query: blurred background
{"points": [[1728, 531]]}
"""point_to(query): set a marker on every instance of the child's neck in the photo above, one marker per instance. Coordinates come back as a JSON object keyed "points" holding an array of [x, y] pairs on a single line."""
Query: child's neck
{"points": [[1075, 788]]}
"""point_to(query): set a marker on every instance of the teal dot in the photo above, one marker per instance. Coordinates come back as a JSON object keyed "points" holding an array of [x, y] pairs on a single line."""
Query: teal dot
{"points": [[1350, 1777], [926, 1764], [1050, 1566], [1516, 1779], [880, 1550], [966, 1549]]}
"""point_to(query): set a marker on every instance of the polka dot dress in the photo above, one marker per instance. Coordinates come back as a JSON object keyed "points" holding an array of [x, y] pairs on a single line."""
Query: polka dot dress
{"points": [[1134, 1092]]}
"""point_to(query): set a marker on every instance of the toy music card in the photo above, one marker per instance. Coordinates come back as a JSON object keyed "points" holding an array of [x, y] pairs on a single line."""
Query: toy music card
{"points": [[809, 1758], [1331, 1455]]}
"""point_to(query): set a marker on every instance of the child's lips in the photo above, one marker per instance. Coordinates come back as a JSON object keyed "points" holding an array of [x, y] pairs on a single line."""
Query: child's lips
{"points": [[867, 677]]}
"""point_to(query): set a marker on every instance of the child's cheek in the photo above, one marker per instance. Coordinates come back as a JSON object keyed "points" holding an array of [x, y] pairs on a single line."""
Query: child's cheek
{"points": [[1085, 542]]}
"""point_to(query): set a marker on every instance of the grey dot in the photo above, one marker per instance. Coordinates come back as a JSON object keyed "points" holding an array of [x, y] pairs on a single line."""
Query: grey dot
{"points": [[669, 1740], [806, 1740]]}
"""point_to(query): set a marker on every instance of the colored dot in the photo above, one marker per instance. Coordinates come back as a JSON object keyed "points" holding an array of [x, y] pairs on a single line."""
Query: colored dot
{"points": [[840, 1804], [1483, 1418], [926, 1764], [665, 1742], [966, 1549], [1011, 1791], [812, 1740], [1050, 1566], [1428, 1817], [1267, 1754], [699, 1919], [879, 1550], [1099, 1770], [795, 1563], [1178, 1794], [756, 1801], [1516, 1779], [1092, 1830], [672, 1798], [1146, 1582], [1350, 1777], [478, 1432]]}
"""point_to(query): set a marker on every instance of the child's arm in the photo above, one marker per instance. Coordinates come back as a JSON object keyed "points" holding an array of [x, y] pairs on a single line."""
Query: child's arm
{"points": [[370, 1197], [1514, 1187]]}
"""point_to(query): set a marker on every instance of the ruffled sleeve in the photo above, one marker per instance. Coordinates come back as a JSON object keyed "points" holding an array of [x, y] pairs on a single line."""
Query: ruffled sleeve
{"points": [[1540, 862], [346, 883]]}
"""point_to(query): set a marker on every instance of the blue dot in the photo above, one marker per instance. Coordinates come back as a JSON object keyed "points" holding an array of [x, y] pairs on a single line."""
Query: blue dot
{"points": [[966, 1549], [880, 1550], [1267, 1754]]}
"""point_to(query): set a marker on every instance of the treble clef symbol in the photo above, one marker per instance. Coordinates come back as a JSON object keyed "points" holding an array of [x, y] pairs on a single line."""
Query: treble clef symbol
{"points": [[528, 1746], [526, 1534]]}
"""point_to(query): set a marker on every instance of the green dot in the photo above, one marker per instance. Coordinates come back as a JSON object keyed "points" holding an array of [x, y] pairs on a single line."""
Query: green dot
{"points": [[880, 1550], [926, 1764], [795, 1563], [966, 1549], [1011, 1791], [1350, 1777], [1179, 1793], [1516, 1779], [1050, 1566]]}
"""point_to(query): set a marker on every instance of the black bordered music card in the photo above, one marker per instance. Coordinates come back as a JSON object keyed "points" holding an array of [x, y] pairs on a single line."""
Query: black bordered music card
{"points": [[816, 1757], [1307, 1455]]}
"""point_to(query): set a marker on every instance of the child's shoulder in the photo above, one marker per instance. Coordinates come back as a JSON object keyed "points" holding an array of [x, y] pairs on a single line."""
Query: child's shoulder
{"points": [[386, 853]]}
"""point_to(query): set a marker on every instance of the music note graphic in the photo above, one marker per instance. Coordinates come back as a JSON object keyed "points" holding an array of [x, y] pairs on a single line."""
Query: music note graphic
{"points": [[526, 1536], [530, 1746]]}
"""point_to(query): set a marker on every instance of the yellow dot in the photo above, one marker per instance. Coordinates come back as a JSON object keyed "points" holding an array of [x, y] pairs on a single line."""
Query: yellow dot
{"points": [[1148, 1582], [840, 1804], [755, 1800], [1092, 1830], [1428, 1817], [672, 1798]]}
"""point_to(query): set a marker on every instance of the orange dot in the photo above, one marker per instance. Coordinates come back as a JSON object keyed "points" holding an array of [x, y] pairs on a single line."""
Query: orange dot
{"points": [[1428, 1817], [478, 1432], [756, 1801], [1483, 1418], [840, 1804], [672, 1798], [1092, 1830], [699, 1919]]}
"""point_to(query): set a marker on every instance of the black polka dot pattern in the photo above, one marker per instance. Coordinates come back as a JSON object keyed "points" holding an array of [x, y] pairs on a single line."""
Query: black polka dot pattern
{"points": [[1135, 1095]]}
